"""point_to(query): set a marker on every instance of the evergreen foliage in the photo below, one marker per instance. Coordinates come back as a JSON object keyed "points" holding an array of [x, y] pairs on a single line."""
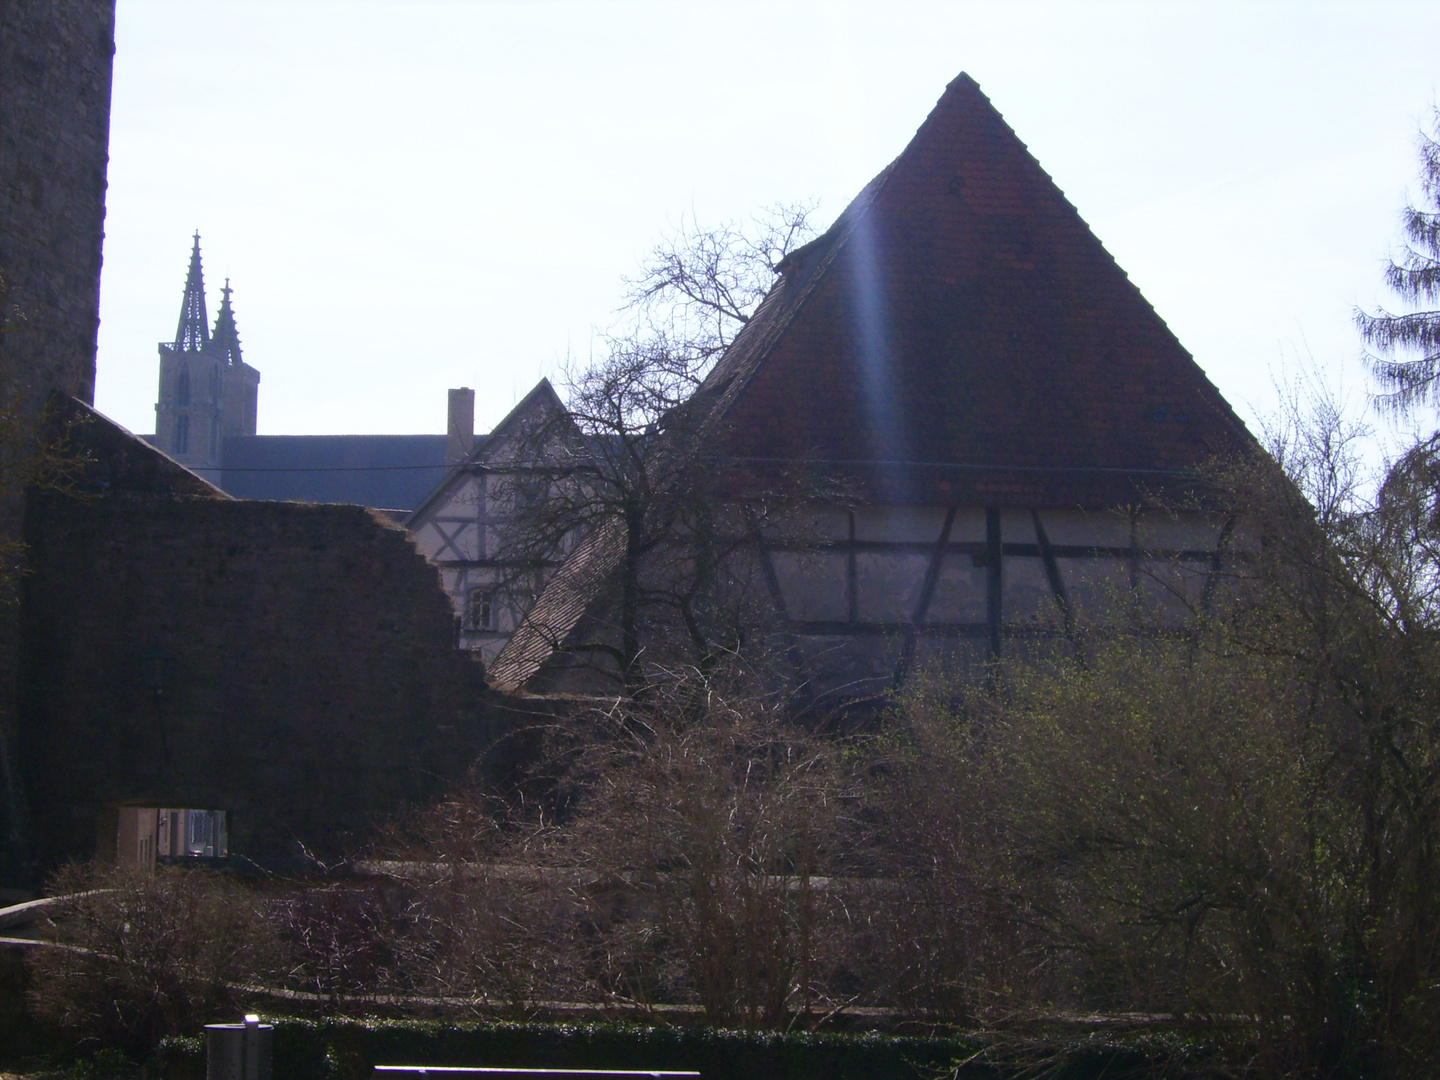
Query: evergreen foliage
{"points": [[1406, 359]]}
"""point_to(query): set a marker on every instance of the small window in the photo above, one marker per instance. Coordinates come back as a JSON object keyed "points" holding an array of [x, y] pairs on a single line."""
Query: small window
{"points": [[183, 833], [480, 614], [182, 434], [182, 387]]}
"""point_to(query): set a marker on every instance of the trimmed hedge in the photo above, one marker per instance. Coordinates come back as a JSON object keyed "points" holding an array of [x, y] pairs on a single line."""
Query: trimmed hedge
{"points": [[349, 1050]]}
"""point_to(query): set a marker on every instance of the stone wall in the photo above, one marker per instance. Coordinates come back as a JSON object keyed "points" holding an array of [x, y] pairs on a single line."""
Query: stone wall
{"points": [[55, 62], [309, 681]]}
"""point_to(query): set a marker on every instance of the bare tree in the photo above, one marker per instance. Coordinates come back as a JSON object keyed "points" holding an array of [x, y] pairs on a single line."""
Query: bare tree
{"points": [[674, 849], [700, 286], [621, 464], [720, 815]]}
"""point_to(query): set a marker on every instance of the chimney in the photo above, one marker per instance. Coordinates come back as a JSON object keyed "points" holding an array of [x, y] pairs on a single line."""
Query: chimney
{"points": [[460, 426]]}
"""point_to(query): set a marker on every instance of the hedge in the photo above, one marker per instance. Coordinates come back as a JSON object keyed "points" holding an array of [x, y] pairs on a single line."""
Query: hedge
{"points": [[349, 1050]]}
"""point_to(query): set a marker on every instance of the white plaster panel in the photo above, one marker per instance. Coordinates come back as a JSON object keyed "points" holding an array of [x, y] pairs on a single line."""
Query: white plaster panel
{"points": [[427, 539], [888, 584], [814, 584], [461, 500], [1171, 589], [960, 591], [1158, 530], [900, 524], [1087, 528], [1016, 527], [1096, 587], [969, 525], [1026, 596], [465, 537]]}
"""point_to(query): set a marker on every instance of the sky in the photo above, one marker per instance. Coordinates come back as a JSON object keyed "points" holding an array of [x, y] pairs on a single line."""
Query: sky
{"points": [[412, 195]]}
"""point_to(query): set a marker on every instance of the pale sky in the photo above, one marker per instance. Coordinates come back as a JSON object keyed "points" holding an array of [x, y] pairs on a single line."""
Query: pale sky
{"points": [[410, 196]]}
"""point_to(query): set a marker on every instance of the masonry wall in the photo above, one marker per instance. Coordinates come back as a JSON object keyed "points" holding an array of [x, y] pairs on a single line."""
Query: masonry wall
{"points": [[313, 687], [55, 64]]}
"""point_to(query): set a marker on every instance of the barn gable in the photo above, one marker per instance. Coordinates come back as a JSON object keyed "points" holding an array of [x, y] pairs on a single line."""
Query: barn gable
{"points": [[959, 334], [960, 357]]}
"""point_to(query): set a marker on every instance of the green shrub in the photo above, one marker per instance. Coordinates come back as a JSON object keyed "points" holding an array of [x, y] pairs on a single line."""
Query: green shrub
{"points": [[136, 956], [350, 1049]]}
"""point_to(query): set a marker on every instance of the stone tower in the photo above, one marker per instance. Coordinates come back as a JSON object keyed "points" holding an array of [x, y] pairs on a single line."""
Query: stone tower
{"points": [[207, 391]]}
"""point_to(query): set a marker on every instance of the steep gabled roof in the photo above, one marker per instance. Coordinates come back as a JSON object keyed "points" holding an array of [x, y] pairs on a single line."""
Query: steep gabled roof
{"points": [[537, 407], [559, 609], [959, 334]]}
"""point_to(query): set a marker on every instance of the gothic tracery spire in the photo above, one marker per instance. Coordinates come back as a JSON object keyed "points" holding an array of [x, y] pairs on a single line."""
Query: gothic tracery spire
{"points": [[194, 331], [225, 342]]}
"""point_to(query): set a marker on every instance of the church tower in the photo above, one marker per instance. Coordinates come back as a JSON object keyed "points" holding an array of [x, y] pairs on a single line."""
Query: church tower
{"points": [[207, 391]]}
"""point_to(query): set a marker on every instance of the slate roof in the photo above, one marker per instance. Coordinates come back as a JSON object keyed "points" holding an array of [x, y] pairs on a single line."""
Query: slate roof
{"points": [[959, 335], [388, 472]]}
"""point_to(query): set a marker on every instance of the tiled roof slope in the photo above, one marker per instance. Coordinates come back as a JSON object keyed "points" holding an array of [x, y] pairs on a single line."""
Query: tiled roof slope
{"points": [[559, 609], [959, 335]]}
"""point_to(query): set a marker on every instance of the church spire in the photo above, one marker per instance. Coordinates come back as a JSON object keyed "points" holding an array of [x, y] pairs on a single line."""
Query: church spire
{"points": [[194, 331], [225, 342]]}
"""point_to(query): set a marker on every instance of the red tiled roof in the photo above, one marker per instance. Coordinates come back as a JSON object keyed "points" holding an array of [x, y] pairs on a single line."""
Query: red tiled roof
{"points": [[959, 335]]}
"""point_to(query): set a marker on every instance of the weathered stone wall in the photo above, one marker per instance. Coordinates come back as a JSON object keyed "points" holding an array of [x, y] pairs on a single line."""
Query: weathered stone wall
{"points": [[314, 686], [55, 62]]}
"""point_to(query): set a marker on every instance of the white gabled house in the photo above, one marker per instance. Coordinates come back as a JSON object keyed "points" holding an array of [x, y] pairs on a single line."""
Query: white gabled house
{"points": [[461, 525]]}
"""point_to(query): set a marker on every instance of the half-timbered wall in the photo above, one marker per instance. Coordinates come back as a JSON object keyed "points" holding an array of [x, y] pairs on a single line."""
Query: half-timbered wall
{"points": [[855, 599], [461, 525], [461, 531], [870, 592]]}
